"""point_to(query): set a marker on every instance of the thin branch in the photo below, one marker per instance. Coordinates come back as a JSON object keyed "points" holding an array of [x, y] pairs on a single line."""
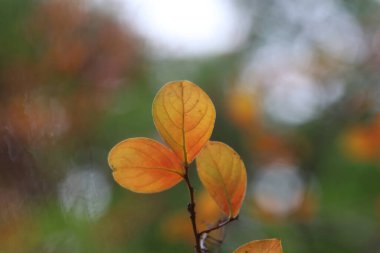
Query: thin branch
{"points": [[219, 225], [191, 210]]}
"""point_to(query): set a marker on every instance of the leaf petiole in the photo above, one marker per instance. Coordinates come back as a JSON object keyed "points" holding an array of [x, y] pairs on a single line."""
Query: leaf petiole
{"points": [[219, 225]]}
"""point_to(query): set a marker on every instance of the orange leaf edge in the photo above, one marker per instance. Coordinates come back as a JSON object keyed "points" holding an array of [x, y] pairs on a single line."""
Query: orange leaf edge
{"points": [[233, 212], [273, 245], [165, 152], [187, 156]]}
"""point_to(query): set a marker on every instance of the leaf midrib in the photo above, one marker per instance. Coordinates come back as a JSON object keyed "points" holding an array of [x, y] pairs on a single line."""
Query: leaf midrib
{"points": [[223, 183], [183, 125]]}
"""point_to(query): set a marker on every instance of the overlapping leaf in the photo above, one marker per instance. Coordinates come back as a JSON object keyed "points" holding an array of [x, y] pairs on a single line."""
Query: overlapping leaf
{"points": [[184, 116], [144, 165], [261, 246], [223, 174]]}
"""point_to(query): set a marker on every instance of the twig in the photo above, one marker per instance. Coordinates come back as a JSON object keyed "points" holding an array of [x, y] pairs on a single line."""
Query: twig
{"points": [[191, 210], [219, 225]]}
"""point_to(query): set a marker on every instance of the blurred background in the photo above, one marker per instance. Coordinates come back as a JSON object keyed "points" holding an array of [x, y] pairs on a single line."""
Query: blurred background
{"points": [[296, 86]]}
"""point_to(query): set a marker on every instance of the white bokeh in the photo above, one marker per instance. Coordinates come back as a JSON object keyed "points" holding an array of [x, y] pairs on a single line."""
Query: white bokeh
{"points": [[184, 28], [85, 193], [328, 26], [278, 189], [293, 98]]}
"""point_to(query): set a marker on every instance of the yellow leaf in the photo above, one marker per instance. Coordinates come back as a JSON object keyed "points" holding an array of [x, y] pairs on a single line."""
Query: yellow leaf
{"points": [[261, 246], [223, 174], [144, 165], [184, 116]]}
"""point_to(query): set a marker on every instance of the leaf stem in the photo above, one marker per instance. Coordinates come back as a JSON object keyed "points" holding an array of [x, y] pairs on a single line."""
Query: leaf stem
{"points": [[191, 210], [219, 225]]}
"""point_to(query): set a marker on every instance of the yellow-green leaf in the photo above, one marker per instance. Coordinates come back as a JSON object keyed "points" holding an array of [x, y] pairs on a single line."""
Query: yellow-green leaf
{"points": [[223, 174], [144, 165], [184, 116], [261, 246]]}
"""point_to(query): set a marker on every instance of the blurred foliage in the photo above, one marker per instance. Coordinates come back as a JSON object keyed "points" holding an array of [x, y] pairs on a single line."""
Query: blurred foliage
{"points": [[299, 100]]}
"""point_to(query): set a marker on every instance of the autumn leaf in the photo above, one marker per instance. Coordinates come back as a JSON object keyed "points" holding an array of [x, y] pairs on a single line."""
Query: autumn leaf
{"points": [[223, 174], [144, 165], [184, 116], [261, 246]]}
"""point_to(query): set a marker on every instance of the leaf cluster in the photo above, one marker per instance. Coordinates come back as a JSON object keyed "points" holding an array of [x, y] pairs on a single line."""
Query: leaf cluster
{"points": [[184, 116]]}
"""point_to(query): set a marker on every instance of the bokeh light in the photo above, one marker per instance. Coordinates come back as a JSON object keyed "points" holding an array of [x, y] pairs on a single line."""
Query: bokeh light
{"points": [[85, 193], [278, 189], [187, 28]]}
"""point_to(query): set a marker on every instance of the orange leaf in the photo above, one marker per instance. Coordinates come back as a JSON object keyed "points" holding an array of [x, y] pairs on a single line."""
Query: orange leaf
{"points": [[184, 116], [144, 165], [223, 174], [261, 246]]}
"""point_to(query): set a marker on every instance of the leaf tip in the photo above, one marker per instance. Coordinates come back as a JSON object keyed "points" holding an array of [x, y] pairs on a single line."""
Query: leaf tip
{"points": [[261, 246]]}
